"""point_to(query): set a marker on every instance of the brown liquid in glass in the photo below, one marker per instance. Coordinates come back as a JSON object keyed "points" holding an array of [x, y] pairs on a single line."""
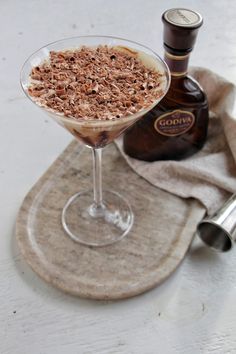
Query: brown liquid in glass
{"points": [[144, 142]]}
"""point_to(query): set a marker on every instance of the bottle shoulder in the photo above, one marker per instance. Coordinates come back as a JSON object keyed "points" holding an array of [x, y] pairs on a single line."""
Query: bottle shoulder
{"points": [[185, 90]]}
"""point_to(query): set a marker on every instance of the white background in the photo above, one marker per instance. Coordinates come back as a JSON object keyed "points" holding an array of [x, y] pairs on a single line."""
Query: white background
{"points": [[195, 311]]}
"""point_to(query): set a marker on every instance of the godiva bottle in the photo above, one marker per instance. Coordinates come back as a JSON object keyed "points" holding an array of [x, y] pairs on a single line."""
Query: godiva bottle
{"points": [[177, 127]]}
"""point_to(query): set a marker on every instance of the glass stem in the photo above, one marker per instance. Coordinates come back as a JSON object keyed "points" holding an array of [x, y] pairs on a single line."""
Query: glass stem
{"points": [[97, 178]]}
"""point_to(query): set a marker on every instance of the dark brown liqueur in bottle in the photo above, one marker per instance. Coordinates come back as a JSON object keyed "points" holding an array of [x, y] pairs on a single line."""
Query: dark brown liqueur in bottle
{"points": [[177, 127]]}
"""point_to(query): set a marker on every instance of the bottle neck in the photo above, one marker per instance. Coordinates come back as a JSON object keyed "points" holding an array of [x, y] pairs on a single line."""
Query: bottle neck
{"points": [[178, 64]]}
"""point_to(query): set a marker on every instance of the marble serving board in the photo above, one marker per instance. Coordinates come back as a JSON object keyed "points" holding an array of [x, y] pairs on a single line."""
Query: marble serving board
{"points": [[163, 229]]}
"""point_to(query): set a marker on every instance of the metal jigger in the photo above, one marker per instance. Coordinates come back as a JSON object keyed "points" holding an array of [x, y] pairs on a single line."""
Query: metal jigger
{"points": [[219, 231]]}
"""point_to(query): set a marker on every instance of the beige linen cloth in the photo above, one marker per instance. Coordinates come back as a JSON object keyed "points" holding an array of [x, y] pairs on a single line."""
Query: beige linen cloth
{"points": [[210, 175]]}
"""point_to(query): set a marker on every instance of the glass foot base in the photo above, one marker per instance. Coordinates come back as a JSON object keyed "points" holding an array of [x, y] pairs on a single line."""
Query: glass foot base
{"points": [[92, 226]]}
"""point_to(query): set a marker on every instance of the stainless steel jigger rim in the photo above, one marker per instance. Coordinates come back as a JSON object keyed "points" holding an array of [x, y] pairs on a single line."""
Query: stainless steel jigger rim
{"points": [[229, 242]]}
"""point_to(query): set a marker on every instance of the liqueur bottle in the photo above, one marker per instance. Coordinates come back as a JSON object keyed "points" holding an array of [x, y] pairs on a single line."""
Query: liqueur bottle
{"points": [[177, 127]]}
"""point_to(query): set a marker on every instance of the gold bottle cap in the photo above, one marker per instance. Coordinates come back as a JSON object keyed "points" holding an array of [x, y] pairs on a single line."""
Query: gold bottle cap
{"points": [[181, 28], [183, 18]]}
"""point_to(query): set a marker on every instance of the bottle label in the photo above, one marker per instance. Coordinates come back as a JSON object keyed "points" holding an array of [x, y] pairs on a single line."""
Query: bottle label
{"points": [[174, 123]]}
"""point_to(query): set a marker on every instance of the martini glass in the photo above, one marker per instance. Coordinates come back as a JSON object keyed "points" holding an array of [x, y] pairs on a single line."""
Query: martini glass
{"points": [[97, 217]]}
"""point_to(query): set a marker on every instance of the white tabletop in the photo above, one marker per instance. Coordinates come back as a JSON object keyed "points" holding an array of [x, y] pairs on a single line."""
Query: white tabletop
{"points": [[194, 312]]}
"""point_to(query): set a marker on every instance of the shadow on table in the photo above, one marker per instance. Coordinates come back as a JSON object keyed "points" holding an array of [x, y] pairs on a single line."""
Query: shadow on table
{"points": [[199, 304]]}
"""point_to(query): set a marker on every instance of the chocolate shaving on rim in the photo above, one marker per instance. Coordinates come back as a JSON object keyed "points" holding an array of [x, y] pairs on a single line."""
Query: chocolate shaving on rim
{"points": [[95, 83]]}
